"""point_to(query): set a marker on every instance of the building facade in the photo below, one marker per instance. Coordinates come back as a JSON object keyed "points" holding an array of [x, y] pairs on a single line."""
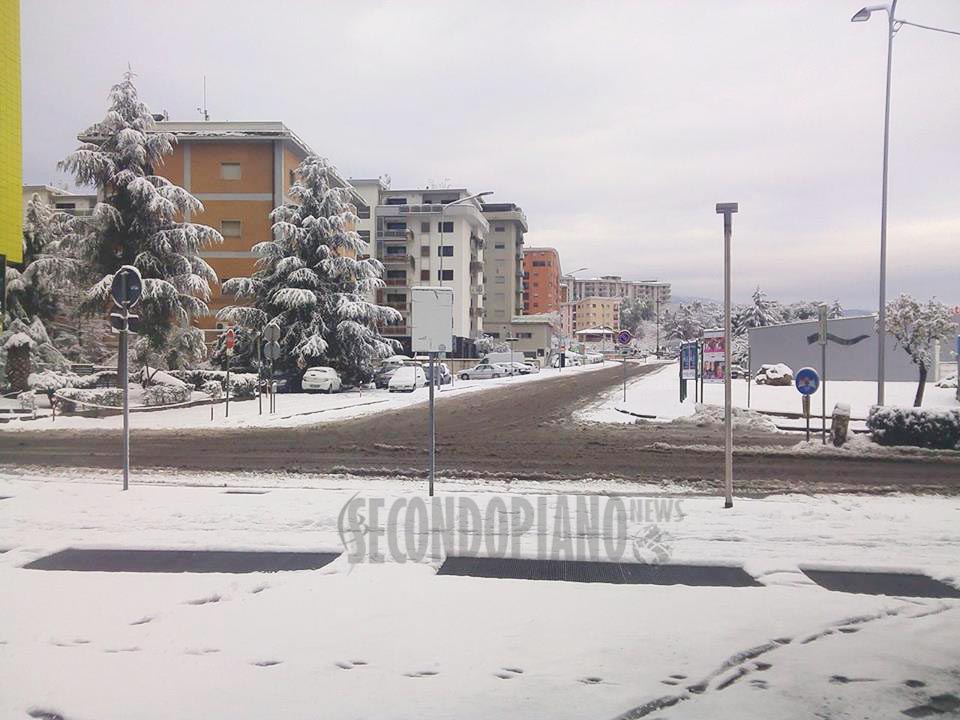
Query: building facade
{"points": [[503, 267], [614, 286], [541, 281], [595, 312], [59, 199], [420, 242], [240, 171]]}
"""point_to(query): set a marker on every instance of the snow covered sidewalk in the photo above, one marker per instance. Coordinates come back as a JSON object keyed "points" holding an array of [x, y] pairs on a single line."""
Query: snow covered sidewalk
{"points": [[658, 394], [395, 640]]}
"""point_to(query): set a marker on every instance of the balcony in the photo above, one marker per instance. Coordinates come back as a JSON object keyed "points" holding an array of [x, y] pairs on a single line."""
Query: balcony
{"points": [[476, 266], [395, 282], [476, 290], [394, 330], [394, 259], [401, 306], [399, 234]]}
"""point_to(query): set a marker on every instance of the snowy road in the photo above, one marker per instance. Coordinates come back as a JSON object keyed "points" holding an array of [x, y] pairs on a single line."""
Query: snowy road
{"points": [[395, 640], [521, 430]]}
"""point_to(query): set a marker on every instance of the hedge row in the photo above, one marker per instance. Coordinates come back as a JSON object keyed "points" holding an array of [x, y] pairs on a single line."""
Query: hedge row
{"points": [[915, 426]]}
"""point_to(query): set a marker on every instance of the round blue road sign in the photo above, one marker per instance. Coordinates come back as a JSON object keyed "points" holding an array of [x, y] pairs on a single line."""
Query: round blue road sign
{"points": [[807, 380], [624, 337]]}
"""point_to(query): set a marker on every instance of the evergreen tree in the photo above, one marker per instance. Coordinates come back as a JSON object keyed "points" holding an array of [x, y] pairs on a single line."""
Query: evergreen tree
{"points": [[633, 311], [836, 310], [311, 282], [137, 223], [760, 313]]}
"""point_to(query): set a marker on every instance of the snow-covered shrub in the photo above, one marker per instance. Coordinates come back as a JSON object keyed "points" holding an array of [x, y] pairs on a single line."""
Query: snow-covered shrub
{"points": [[213, 388], [166, 394], [197, 377], [73, 399], [948, 382], [103, 378], [915, 426], [776, 374], [28, 400], [49, 381], [151, 376], [243, 385]]}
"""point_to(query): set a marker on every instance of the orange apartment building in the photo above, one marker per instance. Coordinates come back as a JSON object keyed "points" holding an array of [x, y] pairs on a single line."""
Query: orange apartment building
{"points": [[541, 281], [240, 171]]}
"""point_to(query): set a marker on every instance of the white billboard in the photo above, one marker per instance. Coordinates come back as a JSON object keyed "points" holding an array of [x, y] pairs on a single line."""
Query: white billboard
{"points": [[432, 314]]}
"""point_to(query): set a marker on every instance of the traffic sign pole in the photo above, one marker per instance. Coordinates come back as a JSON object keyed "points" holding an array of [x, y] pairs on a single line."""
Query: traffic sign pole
{"points": [[823, 369], [433, 422], [727, 210], [125, 382]]}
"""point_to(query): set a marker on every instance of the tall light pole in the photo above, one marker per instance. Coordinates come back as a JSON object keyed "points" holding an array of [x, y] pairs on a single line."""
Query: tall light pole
{"points": [[727, 210], [893, 25]]}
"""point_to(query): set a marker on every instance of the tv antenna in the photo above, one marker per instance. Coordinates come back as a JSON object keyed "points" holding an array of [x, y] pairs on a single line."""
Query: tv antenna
{"points": [[203, 110]]}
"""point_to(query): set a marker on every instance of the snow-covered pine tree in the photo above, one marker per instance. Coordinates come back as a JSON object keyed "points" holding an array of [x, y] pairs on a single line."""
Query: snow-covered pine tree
{"points": [[311, 281], [137, 222], [914, 328], [760, 313], [836, 310]]}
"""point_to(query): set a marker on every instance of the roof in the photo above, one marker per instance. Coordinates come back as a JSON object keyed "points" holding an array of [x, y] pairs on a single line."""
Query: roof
{"points": [[594, 331], [541, 249], [270, 130], [534, 319], [507, 212]]}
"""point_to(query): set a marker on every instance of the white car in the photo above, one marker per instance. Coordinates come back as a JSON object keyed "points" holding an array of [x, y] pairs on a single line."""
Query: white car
{"points": [[532, 367], [321, 379], [407, 379], [519, 368], [484, 371]]}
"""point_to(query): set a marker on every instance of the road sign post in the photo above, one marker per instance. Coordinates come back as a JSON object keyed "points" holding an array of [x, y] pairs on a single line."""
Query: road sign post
{"points": [[229, 340], [271, 351], [125, 290], [807, 381], [624, 337], [822, 339]]}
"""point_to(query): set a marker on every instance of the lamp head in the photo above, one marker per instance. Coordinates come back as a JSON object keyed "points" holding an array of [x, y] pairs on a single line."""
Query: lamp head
{"points": [[863, 14]]}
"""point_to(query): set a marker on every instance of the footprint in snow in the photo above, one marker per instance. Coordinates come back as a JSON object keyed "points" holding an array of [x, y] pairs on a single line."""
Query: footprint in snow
{"points": [[200, 651], [591, 680], [143, 621], [421, 673], [205, 600], [266, 663], [122, 649]]}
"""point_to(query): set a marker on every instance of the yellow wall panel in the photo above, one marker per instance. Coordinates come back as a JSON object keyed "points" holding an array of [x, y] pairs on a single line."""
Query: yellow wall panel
{"points": [[11, 152]]}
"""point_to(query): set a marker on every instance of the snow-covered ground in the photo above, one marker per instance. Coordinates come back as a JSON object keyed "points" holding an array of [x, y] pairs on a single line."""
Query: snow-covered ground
{"points": [[394, 640], [292, 408], [659, 394]]}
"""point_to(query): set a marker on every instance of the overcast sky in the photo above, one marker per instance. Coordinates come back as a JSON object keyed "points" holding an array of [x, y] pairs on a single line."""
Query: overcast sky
{"points": [[617, 126]]}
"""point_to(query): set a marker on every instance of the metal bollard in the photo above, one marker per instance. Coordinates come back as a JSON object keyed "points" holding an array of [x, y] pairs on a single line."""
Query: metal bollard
{"points": [[840, 423]]}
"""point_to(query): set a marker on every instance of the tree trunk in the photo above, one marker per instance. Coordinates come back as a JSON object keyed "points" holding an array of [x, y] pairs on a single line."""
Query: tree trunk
{"points": [[918, 400]]}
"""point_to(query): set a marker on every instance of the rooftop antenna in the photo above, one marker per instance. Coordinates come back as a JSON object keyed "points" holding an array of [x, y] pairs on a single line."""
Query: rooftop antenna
{"points": [[203, 110]]}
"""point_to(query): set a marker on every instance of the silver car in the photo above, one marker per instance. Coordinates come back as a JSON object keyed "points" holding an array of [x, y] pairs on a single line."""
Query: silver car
{"points": [[483, 371]]}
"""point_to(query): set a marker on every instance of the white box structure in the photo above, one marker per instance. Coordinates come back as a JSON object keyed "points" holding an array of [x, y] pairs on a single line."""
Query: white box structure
{"points": [[432, 314]]}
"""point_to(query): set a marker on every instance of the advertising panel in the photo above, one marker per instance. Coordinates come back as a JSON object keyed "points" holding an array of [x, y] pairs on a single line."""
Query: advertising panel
{"points": [[713, 346]]}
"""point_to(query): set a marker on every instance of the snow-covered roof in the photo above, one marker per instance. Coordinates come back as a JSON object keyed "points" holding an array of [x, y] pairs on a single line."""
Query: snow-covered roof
{"points": [[534, 319], [594, 331]]}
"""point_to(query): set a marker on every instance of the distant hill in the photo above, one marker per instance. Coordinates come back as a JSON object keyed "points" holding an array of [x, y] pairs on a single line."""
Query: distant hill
{"points": [[687, 299]]}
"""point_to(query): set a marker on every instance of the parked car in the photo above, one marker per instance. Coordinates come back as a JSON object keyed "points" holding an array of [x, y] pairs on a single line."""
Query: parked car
{"points": [[444, 376], [381, 378], [532, 366], [407, 379], [484, 371], [321, 379], [517, 368], [738, 371]]}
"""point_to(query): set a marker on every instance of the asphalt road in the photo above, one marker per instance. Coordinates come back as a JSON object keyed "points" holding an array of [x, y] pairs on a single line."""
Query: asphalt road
{"points": [[523, 431]]}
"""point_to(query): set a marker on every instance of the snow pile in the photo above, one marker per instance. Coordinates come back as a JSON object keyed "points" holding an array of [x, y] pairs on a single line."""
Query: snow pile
{"points": [[73, 399], [713, 415], [151, 376], [948, 382], [777, 374], [212, 388], [16, 340], [915, 426], [49, 381]]}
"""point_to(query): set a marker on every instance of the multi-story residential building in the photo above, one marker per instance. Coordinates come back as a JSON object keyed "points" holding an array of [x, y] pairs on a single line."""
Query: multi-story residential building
{"points": [[615, 286], [503, 267], [240, 171], [60, 199], [541, 280], [596, 312], [422, 241]]}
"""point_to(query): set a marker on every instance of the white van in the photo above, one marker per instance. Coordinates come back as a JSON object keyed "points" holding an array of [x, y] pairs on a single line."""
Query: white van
{"points": [[407, 379]]}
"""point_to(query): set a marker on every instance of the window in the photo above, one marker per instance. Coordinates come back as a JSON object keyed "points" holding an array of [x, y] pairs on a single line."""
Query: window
{"points": [[525, 336], [499, 246], [231, 228], [363, 212], [364, 235], [445, 251], [444, 274], [425, 227], [396, 226], [539, 263], [501, 280], [424, 251], [293, 177], [396, 274], [396, 201], [229, 171], [396, 249], [396, 298], [498, 228], [446, 226], [66, 206], [425, 275], [494, 335]]}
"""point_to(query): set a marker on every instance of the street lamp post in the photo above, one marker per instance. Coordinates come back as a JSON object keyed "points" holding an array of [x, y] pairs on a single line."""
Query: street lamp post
{"points": [[893, 25], [727, 210]]}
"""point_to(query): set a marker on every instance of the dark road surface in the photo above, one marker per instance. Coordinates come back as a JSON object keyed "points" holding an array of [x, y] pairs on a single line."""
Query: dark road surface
{"points": [[522, 431]]}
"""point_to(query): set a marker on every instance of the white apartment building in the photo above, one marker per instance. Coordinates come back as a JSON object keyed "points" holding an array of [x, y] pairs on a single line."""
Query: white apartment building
{"points": [[60, 199], [616, 287], [503, 267], [422, 242]]}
